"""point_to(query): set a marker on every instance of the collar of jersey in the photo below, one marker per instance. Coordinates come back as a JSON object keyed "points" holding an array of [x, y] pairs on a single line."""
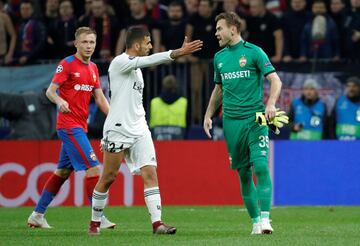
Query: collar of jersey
{"points": [[236, 45], [76, 58]]}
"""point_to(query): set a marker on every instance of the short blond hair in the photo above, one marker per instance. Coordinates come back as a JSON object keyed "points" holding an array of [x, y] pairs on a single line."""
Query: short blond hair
{"points": [[231, 19], [84, 29]]}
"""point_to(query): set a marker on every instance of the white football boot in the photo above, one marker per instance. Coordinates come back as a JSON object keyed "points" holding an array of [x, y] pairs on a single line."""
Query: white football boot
{"points": [[37, 220], [266, 227], [256, 229], [106, 224]]}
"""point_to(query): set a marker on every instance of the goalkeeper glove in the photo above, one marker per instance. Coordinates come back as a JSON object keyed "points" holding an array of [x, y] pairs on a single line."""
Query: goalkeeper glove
{"points": [[275, 123]]}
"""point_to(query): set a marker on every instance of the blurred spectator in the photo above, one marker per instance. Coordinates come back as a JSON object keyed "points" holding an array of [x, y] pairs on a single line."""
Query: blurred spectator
{"points": [[233, 6], [31, 115], [7, 36], [263, 29], [168, 112], [244, 7], [49, 19], [106, 27], [320, 38], [201, 26], [293, 23], [139, 17], [173, 29], [345, 118], [121, 9], [87, 10], [338, 14], [276, 7], [51, 11], [352, 26], [61, 32], [308, 115], [191, 7], [157, 11], [31, 36]]}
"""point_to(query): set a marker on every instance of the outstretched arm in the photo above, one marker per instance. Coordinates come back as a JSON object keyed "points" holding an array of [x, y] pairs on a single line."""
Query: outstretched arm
{"points": [[162, 57], [214, 104]]}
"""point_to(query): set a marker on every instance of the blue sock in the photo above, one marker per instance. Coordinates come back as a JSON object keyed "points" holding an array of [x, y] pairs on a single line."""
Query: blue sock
{"points": [[45, 200], [51, 188]]}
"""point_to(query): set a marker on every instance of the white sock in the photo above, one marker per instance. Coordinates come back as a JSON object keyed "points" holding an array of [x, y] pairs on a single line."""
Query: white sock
{"points": [[99, 200], [265, 215], [153, 203]]}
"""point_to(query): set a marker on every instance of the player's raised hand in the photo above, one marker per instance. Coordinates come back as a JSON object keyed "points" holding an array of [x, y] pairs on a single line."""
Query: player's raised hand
{"points": [[208, 126], [64, 107], [191, 47], [187, 48]]}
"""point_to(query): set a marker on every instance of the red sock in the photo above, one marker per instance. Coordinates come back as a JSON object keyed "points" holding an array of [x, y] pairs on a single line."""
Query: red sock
{"points": [[54, 183], [90, 183]]}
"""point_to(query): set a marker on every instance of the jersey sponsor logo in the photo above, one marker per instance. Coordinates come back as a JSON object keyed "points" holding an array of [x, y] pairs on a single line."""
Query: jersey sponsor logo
{"points": [[59, 69], [235, 75], [242, 61], [83, 87]]}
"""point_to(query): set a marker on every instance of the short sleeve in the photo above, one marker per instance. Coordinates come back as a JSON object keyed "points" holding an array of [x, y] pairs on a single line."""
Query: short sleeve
{"points": [[217, 77], [263, 63], [61, 73]]}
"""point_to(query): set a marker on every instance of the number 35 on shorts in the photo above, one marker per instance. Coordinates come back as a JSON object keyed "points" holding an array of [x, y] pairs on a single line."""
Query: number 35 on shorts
{"points": [[263, 141]]}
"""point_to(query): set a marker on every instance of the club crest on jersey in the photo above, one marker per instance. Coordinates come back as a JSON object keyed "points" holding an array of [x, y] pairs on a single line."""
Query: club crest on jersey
{"points": [[92, 156], [242, 61], [59, 69]]}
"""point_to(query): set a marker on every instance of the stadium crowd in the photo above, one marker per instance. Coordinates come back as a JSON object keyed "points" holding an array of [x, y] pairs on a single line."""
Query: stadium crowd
{"points": [[287, 30]]}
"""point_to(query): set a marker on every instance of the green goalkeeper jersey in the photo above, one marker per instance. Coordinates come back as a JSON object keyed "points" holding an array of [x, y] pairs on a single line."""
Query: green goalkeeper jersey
{"points": [[240, 69]]}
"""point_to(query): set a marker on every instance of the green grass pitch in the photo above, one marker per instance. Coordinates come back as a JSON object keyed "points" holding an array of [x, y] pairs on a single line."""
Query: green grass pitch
{"points": [[197, 225]]}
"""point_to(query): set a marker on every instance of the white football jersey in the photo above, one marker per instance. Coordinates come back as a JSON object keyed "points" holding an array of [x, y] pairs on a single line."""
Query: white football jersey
{"points": [[127, 114]]}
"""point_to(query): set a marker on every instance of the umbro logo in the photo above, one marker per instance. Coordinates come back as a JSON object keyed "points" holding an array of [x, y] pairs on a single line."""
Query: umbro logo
{"points": [[77, 74]]}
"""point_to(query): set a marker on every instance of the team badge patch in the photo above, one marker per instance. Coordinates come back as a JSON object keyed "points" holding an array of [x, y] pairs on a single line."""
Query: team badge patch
{"points": [[59, 69], [92, 156], [242, 61]]}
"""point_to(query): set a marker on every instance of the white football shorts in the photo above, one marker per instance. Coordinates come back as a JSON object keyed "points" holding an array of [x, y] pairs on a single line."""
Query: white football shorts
{"points": [[139, 152]]}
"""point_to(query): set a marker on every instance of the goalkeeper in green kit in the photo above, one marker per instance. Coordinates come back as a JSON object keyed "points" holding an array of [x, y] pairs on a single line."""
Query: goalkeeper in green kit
{"points": [[238, 74]]}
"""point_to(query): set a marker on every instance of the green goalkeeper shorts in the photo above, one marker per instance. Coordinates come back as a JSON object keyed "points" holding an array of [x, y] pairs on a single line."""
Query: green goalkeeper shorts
{"points": [[246, 141]]}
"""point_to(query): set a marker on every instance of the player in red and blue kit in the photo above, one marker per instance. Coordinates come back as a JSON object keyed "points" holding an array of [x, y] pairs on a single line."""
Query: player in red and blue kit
{"points": [[75, 81]]}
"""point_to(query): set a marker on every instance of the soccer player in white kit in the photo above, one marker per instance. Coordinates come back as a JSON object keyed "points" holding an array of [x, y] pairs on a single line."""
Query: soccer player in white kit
{"points": [[126, 133]]}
